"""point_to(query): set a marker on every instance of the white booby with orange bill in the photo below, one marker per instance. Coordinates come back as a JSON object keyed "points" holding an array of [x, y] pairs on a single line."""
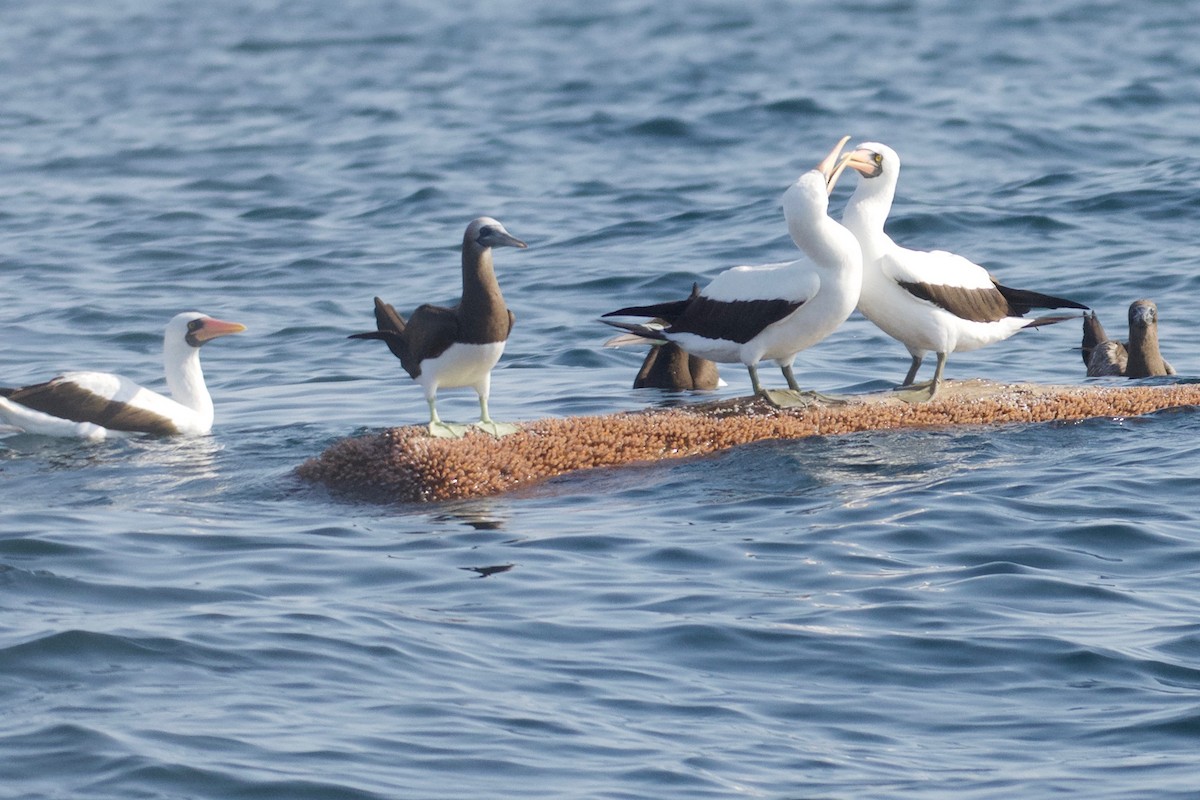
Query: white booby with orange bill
{"points": [[771, 312], [456, 346], [97, 405], [928, 300]]}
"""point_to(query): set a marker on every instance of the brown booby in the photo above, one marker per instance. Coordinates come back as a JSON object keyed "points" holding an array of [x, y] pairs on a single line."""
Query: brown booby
{"points": [[928, 300], [96, 405], [667, 366], [1137, 358], [771, 312], [456, 346]]}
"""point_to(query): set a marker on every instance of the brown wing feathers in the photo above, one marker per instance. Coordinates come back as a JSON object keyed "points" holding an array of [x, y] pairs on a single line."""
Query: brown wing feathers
{"points": [[67, 400], [989, 304]]}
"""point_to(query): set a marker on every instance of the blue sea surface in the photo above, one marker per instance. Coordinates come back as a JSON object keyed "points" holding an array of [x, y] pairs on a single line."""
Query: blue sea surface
{"points": [[973, 612]]}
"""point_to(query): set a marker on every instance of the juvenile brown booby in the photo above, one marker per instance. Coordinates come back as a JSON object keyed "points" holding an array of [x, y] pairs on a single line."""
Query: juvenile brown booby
{"points": [[1137, 358], [928, 300], [771, 312], [95, 405], [456, 346]]}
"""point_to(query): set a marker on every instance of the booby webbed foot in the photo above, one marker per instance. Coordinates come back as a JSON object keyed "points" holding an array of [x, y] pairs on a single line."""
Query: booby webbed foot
{"points": [[917, 392], [444, 430], [790, 398], [497, 429]]}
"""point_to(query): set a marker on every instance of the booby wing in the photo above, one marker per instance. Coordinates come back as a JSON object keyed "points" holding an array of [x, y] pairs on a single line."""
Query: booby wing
{"points": [[947, 280], [427, 333], [964, 288], [109, 401], [735, 306]]}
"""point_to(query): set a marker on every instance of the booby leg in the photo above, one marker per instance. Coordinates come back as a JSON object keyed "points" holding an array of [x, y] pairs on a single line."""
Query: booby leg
{"points": [[487, 424], [912, 370], [754, 384], [794, 396], [442, 430], [924, 391]]}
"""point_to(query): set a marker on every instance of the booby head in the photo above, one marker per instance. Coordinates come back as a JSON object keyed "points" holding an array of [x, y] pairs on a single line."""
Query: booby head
{"points": [[1142, 314], [872, 159], [486, 233], [807, 199], [194, 329]]}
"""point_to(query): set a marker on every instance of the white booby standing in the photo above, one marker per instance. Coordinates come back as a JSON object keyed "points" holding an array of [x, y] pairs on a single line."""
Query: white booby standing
{"points": [[1137, 358], [753, 313], [928, 300], [96, 405], [457, 346]]}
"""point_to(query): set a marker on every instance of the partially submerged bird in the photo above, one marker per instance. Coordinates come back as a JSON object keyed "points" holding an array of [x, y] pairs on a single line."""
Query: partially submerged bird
{"points": [[771, 312], [928, 300], [668, 366], [1137, 358], [443, 347], [96, 405]]}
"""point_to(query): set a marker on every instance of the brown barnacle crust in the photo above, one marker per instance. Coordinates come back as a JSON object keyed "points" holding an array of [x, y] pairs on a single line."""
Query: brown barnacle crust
{"points": [[408, 465]]}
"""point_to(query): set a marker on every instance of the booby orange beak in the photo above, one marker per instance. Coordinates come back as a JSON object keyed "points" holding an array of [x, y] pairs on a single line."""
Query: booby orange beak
{"points": [[212, 328], [830, 167], [868, 163]]}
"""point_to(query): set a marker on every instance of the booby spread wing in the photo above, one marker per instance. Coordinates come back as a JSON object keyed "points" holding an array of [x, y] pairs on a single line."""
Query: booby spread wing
{"points": [[109, 401], [427, 333]]}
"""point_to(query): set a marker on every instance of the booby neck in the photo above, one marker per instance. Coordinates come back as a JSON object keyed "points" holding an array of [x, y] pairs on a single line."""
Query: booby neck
{"points": [[185, 379], [806, 208], [483, 316], [871, 203]]}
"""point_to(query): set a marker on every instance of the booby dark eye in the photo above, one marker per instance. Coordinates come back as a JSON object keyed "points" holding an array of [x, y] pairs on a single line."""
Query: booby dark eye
{"points": [[486, 230], [195, 325]]}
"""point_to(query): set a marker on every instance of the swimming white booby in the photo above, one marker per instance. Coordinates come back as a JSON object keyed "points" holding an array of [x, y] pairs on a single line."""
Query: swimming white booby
{"points": [[771, 312], [457, 346], [1137, 358], [928, 300], [95, 405]]}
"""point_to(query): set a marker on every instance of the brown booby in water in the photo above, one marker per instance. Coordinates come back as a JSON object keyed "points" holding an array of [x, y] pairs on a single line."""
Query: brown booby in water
{"points": [[456, 346], [1137, 358], [928, 300], [669, 367], [95, 405], [771, 312]]}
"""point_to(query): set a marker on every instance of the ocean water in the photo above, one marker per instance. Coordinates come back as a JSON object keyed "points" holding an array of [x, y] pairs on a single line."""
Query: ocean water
{"points": [[966, 613]]}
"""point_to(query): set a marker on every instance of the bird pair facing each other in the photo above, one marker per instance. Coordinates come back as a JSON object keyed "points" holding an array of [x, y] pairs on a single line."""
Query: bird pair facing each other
{"points": [[929, 301], [1139, 357]]}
